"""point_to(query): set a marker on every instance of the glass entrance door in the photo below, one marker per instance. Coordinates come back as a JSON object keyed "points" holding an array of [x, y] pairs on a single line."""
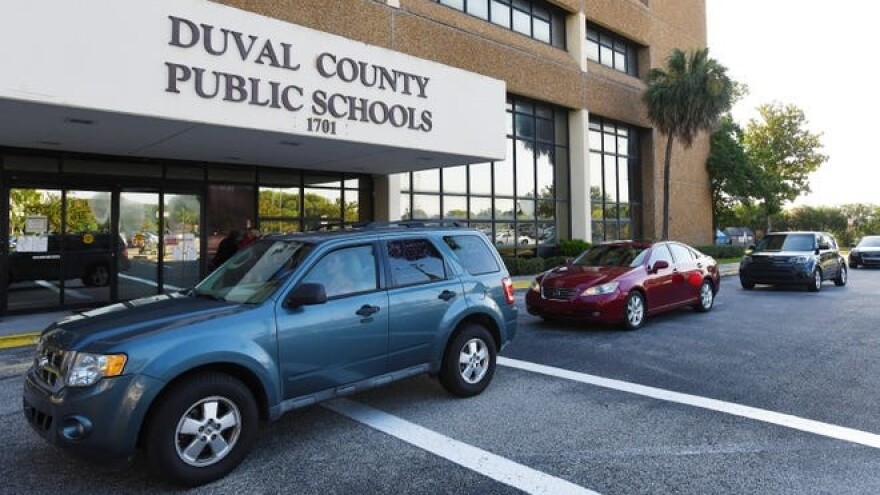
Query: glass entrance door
{"points": [[138, 271], [88, 251], [182, 214], [34, 249]]}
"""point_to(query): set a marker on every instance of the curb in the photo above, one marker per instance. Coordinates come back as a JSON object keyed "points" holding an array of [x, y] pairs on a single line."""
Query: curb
{"points": [[19, 340]]}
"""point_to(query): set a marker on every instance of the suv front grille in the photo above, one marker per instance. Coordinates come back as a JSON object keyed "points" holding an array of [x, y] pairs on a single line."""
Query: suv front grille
{"points": [[560, 294], [48, 368]]}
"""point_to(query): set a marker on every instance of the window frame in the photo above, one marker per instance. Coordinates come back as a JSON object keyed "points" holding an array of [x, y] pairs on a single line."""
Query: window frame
{"points": [[616, 46], [380, 275]]}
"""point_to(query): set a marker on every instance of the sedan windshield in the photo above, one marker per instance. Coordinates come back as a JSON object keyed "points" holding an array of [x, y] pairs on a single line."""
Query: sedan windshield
{"points": [[253, 274], [611, 255], [787, 242], [872, 241]]}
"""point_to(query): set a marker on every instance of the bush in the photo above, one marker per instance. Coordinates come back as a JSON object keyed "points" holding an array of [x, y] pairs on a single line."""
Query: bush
{"points": [[723, 251], [573, 247], [523, 266]]}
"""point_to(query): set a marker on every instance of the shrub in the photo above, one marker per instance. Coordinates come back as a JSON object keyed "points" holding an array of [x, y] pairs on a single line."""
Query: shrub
{"points": [[723, 251], [523, 266], [572, 247]]}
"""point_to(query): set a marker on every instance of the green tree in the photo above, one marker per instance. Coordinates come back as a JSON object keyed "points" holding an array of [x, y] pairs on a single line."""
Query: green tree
{"points": [[785, 152], [732, 177], [682, 100]]}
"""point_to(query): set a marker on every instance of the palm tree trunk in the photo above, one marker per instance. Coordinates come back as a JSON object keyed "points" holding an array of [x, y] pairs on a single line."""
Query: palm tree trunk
{"points": [[667, 166]]}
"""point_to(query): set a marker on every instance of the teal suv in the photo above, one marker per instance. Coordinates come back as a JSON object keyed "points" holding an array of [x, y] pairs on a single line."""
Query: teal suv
{"points": [[291, 321]]}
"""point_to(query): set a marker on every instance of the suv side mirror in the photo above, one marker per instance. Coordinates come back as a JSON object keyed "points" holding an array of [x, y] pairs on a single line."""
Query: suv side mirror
{"points": [[306, 295], [658, 265]]}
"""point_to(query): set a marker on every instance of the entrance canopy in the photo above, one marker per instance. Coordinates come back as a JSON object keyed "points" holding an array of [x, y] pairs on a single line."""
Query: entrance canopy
{"points": [[200, 81]]}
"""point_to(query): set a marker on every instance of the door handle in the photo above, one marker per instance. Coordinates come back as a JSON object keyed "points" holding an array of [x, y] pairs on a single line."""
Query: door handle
{"points": [[366, 310], [446, 295]]}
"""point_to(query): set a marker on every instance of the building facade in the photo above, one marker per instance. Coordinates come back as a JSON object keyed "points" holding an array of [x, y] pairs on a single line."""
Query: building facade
{"points": [[133, 140]]}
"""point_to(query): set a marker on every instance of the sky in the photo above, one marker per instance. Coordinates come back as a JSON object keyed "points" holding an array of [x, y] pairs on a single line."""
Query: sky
{"points": [[821, 56]]}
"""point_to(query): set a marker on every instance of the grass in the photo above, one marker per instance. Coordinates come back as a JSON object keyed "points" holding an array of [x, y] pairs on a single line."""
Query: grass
{"points": [[724, 261]]}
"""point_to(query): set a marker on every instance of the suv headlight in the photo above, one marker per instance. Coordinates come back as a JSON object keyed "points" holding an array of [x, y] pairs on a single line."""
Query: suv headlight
{"points": [[601, 289], [86, 369]]}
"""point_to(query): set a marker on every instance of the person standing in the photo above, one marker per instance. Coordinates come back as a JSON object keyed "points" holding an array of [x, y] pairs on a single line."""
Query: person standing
{"points": [[227, 247], [251, 236]]}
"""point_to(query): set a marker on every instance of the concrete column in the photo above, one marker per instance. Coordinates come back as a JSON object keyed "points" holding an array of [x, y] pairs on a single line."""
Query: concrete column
{"points": [[579, 157], [386, 197], [576, 38], [393, 3]]}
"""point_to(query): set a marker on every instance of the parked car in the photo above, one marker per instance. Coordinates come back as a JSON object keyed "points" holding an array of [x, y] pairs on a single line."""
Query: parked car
{"points": [[88, 257], [285, 323], [509, 238], [793, 258], [625, 281], [866, 252]]}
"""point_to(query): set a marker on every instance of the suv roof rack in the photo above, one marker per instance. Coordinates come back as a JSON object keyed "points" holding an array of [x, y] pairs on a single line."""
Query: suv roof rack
{"points": [[406, 224]]}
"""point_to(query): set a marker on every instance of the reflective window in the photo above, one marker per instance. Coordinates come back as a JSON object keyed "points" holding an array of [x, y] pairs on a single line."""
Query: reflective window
{"points": [[536, 19], [614, 186], [414, 261], [346, 271], [660, 252], [473, 253], [612, 50], [681, 253]]}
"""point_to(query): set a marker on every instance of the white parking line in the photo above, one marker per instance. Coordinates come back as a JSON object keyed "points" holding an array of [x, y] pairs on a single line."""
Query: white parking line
{"points": [[486, 463], [808, 425], [148, 282], [67, 292]]}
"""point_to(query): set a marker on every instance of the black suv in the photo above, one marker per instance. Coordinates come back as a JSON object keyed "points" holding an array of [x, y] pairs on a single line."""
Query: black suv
{"points": [[793, 258], [88, 257]]}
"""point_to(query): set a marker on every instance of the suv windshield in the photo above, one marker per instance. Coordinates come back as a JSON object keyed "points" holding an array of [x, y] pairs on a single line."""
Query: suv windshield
{"points": [[611, 255], [787, 242], [253, 274], [873, 241]]}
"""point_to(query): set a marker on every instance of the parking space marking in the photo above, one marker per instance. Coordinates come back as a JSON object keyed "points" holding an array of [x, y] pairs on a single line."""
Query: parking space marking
{"points": [[67, 292], [481, 461], [787, 420], [148, 282]]}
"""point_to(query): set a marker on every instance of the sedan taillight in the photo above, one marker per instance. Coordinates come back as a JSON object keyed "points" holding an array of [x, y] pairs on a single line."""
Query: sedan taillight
{"points": [[508, 289]]}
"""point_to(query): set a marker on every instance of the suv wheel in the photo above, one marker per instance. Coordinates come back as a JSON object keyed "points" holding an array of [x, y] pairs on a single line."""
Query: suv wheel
{"points": [[469, 363], [815, 284], [97, 276], [202, 429], [707, 297], [840, 281], [634, 311]]}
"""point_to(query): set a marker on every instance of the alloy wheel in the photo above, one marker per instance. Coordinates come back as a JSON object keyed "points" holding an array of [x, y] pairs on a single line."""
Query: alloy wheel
{"points": [[473, 360], [635, 311], [208, 431], [706, 295]]}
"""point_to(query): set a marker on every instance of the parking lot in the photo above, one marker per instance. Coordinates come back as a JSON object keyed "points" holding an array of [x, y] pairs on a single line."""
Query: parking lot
{"points": [[774, 391]]}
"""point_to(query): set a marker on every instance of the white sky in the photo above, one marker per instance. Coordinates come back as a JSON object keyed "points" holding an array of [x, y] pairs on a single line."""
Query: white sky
{"points": [[822, 57]]}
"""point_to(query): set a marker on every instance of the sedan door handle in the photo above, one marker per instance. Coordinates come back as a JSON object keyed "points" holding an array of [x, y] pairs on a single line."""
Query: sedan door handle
{"points": [[366, 310], [446, 295]]}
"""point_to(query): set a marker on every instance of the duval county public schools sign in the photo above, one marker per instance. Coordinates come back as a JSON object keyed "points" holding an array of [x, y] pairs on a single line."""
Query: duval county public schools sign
{"points": [[283, 92], [200, 63]]}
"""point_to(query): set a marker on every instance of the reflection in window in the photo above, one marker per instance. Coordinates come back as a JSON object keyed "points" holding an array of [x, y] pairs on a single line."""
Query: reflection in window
{"points": [[614, 186], [346, 271], [536, 19], [414, 261], [612, 50]]}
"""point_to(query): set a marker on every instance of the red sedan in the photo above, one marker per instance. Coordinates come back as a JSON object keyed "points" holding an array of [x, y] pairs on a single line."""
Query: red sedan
{"points": [[625, 281]]}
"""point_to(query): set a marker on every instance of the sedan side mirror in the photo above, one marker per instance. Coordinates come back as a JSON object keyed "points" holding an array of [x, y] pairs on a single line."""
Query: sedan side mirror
{"points": [[306, 295], [659, 265], [569, 260]]}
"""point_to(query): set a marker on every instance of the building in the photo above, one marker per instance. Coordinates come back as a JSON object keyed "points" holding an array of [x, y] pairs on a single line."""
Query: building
{"points": [[134, 134]]}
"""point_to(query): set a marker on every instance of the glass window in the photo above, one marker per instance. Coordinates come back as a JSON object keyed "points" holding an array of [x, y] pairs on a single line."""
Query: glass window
{"points": [[478, 8], [611, 50], [426, 180], [660, 252], [455, 180], [680, 253], [504, 173], [522, 22], [279, 202], [414, 261], [481, 207], [537, 19], [500, 13], [426, 206], [481, 178], [455, 206], [345, 272], [323, 203], [473, 253], [614, 194], [455, 4], [525, 169]]}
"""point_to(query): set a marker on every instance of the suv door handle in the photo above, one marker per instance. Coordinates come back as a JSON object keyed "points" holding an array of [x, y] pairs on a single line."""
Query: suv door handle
{"points": [[446, 295], [366, 310]]}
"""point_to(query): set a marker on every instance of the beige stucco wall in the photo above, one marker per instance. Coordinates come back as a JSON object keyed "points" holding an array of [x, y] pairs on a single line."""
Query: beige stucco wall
{"points": [[426, 29]]}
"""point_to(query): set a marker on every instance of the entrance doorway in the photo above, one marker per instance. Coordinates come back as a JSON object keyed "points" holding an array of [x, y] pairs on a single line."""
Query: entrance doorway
{"points": [[86, 248]]}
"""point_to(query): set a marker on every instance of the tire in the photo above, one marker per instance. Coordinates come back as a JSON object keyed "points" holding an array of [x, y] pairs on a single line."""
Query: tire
{"points": [[634, 311], [475, 346], [854, 265], [97, 276], [707, 297], [746, 284], [815, 283], [221, 407], [842, 277]]}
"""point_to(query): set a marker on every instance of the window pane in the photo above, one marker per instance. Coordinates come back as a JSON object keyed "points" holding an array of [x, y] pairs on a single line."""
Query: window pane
{"points": [[279, 202], [414, 261], [610, 178], [405, 182], [405, 207], [609, 143], [544, 129], [426, 206], [592, 50], [626, 230], [546, 210], [522, 22], [606, 55], [541, 30], [426, 180], [623, 179], [546, 233], [525, 126], [345, 271], [481, 208], [595, 140], [473, 253], [545, 171], [323, 180], [455, 206], [525, 209], [455, 180], [351, 183], [352, 207], [596, 174], [323, 203], [479, 8], [481, 178], [598, 232], [456, 4], [504, 173], [278, 227], [500, 14], [620, 61], [504, 209], [525, 169]]}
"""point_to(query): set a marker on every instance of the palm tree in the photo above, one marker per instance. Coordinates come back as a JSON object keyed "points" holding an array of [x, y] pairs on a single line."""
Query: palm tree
{"points": [[686, 97]]}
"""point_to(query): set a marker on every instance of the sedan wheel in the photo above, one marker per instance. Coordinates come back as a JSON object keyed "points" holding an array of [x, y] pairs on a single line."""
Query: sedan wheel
{"points": [[634, 311], [815, 284], [707, 297]]}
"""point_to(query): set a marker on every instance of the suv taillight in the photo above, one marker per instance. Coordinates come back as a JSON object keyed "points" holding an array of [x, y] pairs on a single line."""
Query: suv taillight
{"points": [[508, 289]]}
